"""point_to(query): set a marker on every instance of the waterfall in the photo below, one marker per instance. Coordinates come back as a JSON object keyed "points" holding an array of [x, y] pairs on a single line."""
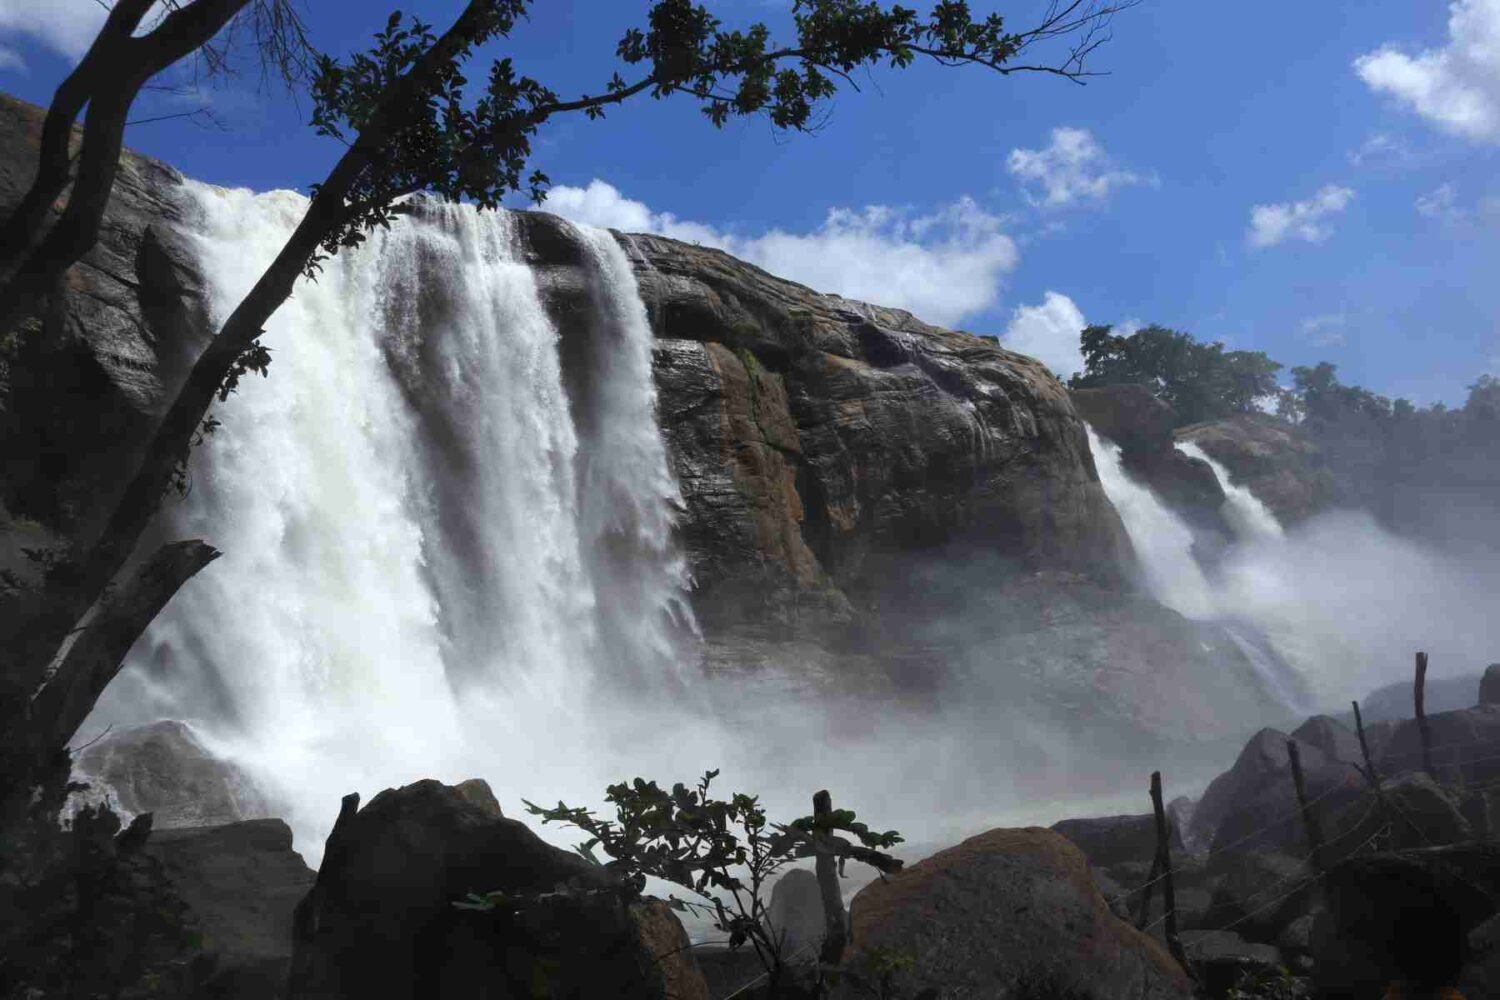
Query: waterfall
{"points": [[1248, 518], [446, 538], [1163, 542]]}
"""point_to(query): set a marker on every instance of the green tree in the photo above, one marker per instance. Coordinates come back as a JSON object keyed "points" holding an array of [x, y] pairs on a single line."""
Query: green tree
{"points": [[409, 121], [1200, 381], [723, 851]]}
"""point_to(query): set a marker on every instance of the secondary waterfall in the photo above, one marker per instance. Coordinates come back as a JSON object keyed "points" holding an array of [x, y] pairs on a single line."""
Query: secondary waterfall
{"points": [[446, 538], [1248, 518], [1163, 542]]}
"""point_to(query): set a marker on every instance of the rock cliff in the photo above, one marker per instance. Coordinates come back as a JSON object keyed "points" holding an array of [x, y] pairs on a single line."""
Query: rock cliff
{"points": [[851, 476], [1273, 459]]}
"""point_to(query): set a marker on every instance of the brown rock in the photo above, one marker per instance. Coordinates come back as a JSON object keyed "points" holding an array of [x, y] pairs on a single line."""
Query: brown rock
{"points": [[1009, 909]]}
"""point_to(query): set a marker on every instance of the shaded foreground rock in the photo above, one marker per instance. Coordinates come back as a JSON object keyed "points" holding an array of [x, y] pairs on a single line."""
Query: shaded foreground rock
{"points": [[1008, 910], [241, 883], [380, 920], [1403, 915]]}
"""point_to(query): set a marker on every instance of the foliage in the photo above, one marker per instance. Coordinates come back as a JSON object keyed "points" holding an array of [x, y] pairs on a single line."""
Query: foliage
{"points": [[1200, 381], [1267, 984], [407, 100], [722, 850]]}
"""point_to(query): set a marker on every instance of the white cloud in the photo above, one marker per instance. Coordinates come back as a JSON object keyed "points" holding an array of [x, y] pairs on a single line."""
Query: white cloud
{"points": [[1048, 332], [1300, 220], [1456, 87], [1324, 331], [1380, 148], [1072, 169], [1441, 204], [67, 27], [943, 266]]}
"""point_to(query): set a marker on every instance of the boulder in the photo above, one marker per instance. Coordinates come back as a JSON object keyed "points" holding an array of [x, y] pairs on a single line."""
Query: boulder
{"points": [[1111, 840], [1220, 958], [1489, 685], [381, 919], [1258, 895], [1465, 746], [164, 769], [1011, 909], [796, 911], [1270, 819], [241, 883], [1392, 703], [1337, 741], [1402, 915], [1416, 812], [1480, 976], [1261, 765]]}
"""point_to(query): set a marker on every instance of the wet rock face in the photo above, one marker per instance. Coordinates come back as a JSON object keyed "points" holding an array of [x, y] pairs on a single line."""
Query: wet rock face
{"points": [[821, 443], [1273, 459], [92, 376], [163, 769]]}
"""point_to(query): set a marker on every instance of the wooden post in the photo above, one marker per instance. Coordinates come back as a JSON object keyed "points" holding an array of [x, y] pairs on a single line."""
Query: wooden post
{"points": [[1164, 860], [1314, 834], [1419, 695], [1371, 775], [828, 884], [1140, 920]]}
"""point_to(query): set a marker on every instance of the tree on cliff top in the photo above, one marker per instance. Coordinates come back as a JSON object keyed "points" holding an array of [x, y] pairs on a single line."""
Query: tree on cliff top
{"points": [[1200, 381], [409, 121]]}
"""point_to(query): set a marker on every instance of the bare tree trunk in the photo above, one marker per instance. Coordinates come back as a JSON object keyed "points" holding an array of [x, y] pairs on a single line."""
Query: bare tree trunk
{"points": [[107, 80], [1164, 857], [1419, 697]]}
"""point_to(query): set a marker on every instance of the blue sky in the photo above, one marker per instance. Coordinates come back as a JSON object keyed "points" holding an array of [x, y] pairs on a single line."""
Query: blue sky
{"points": [[1313, 180]]}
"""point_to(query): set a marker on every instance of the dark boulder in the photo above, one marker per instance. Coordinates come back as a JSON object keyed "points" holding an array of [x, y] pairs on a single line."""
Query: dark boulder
{"points": [[1221, 958], [381, 919], [1337, 741], [1258, 895], [1489, 685], [241, 883], [1262, 766], [1480, 976], [1412, 811], [1402, 915], [1269, 819], [1008, 910], [1465, 746], [1111, 840], [165, 770]]}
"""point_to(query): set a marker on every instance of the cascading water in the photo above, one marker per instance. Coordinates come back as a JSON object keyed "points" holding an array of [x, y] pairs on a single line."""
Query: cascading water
{"points": [[1164, 546], [1248, 518], [441, 544], [1163, 543]]}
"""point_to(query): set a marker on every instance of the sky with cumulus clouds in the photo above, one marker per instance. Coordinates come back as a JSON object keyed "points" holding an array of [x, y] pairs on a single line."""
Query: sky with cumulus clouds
{"points": [[1314, 180]]}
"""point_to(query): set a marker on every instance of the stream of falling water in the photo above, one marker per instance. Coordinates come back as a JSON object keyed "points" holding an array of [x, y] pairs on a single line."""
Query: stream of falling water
{"points": [[438, 558]]}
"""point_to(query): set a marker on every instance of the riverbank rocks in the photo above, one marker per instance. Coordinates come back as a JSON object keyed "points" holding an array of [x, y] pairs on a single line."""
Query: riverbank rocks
{"points": [[1008, 910], [381, 921]]}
